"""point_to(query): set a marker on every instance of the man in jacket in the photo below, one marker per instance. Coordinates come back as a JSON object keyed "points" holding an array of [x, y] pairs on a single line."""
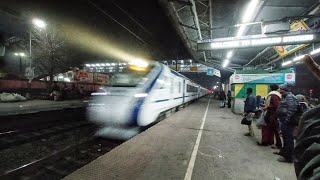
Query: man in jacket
{"points": [[286, 113], [249, 109], [222, 98]]}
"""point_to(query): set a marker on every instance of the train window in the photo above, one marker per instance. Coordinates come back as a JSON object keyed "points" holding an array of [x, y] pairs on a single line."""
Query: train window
{"points": [[191, 88], [129, 78]]}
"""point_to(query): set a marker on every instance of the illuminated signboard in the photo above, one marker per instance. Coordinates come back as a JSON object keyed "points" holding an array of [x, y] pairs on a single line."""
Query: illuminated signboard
{"points": [[258, 40], [287, 50]]}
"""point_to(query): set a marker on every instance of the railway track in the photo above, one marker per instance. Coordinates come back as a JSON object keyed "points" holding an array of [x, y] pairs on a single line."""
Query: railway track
{"points": [[63, 162], [13, 138]]}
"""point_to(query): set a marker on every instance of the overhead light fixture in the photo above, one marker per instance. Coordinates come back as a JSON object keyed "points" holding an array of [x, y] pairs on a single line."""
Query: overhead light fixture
{"points": [[247, 16], [225, 63], [316, 51], [113, 64], [298, 58], [97, 64], [22, 54], [107, 64], [240, 31], [88, 65], [286, 63], [102, 64], [249, 11], [229, 54], [93, 65]]}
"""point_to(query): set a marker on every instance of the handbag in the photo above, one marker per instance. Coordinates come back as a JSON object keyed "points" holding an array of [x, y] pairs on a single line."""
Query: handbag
{"points": [[245, 121], [261, 120]]}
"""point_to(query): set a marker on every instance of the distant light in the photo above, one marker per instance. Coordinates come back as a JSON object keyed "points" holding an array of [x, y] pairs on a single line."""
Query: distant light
{"points": [[93, 65], [97, 64], [66, 79], [190, 60], [218, 82], [298, 58], [87, 65], [107, 64], [286, 63], [138, 68], [60, 76], [139, 62], [316, 51], [22, 54], [16, 54], [225, 63], [141, 95], [113, 64], [229, 54], [39, 23], [102, 64]]}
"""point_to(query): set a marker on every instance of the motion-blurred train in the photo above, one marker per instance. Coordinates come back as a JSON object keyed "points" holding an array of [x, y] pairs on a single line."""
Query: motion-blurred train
{"points": [[136, 98]]}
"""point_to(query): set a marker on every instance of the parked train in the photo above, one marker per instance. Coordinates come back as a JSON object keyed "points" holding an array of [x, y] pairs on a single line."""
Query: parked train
{"points": [[137, 96]]}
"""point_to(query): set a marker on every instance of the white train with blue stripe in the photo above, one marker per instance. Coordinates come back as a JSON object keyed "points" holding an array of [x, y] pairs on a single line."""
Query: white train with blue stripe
{"points": [[137, 96]]}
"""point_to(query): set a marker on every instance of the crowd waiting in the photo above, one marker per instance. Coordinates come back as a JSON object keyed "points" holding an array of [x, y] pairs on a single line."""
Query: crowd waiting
{"points": [[280, 111]]}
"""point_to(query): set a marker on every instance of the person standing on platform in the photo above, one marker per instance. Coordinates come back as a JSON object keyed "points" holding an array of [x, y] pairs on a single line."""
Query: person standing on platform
{"points": [[286, 113], [271, 130], [229, 98], [222, 98], [249, 109]]}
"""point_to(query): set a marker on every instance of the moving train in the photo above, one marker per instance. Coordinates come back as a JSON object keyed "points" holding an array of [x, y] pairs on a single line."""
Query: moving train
{"points": [[136, 98]]}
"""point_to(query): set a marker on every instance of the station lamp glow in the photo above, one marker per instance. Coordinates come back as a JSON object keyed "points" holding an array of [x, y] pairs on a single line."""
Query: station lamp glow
{"points": [[225, 63], [39, 23], [249, 11], [298, 58], [88, 65], [316, 51], [229, 54], [286, 63]]}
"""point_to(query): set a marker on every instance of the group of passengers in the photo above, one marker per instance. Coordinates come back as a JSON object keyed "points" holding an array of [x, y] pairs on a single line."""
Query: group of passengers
{"points": [[281, 111]]}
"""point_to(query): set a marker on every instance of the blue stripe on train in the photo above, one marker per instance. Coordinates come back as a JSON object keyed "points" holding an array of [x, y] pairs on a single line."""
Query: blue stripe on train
{"points": [[140, 101]]}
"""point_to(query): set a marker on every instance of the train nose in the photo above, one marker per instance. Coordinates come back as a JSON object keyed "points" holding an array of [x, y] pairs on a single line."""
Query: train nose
{"points": [[109, 110]]}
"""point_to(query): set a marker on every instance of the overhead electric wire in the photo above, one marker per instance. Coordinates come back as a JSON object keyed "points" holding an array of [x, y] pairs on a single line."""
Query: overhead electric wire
{"points": [[123, 26], [132, 18]]}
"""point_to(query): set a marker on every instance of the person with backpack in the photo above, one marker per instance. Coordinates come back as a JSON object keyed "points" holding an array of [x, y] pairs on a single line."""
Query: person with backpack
{"points": [[287, 112]]}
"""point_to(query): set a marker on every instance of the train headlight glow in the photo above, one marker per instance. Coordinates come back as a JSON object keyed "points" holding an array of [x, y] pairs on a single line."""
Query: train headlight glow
{"points": [[138, 68], [141, 95]]}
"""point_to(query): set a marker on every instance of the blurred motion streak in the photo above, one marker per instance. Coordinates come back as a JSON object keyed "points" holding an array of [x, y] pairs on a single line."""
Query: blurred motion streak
{"points": [[94, 42]]}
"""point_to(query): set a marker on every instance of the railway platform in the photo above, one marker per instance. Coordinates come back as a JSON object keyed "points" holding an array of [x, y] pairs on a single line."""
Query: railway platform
{"points": [[200, 141], [33, 106]]}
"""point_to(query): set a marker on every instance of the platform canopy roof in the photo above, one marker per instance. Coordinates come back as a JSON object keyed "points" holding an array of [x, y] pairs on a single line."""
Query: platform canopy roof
{"points": [[207, 19]]}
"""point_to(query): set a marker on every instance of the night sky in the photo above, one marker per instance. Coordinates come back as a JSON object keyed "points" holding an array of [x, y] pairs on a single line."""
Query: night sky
{"points": [[156, 39]]}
